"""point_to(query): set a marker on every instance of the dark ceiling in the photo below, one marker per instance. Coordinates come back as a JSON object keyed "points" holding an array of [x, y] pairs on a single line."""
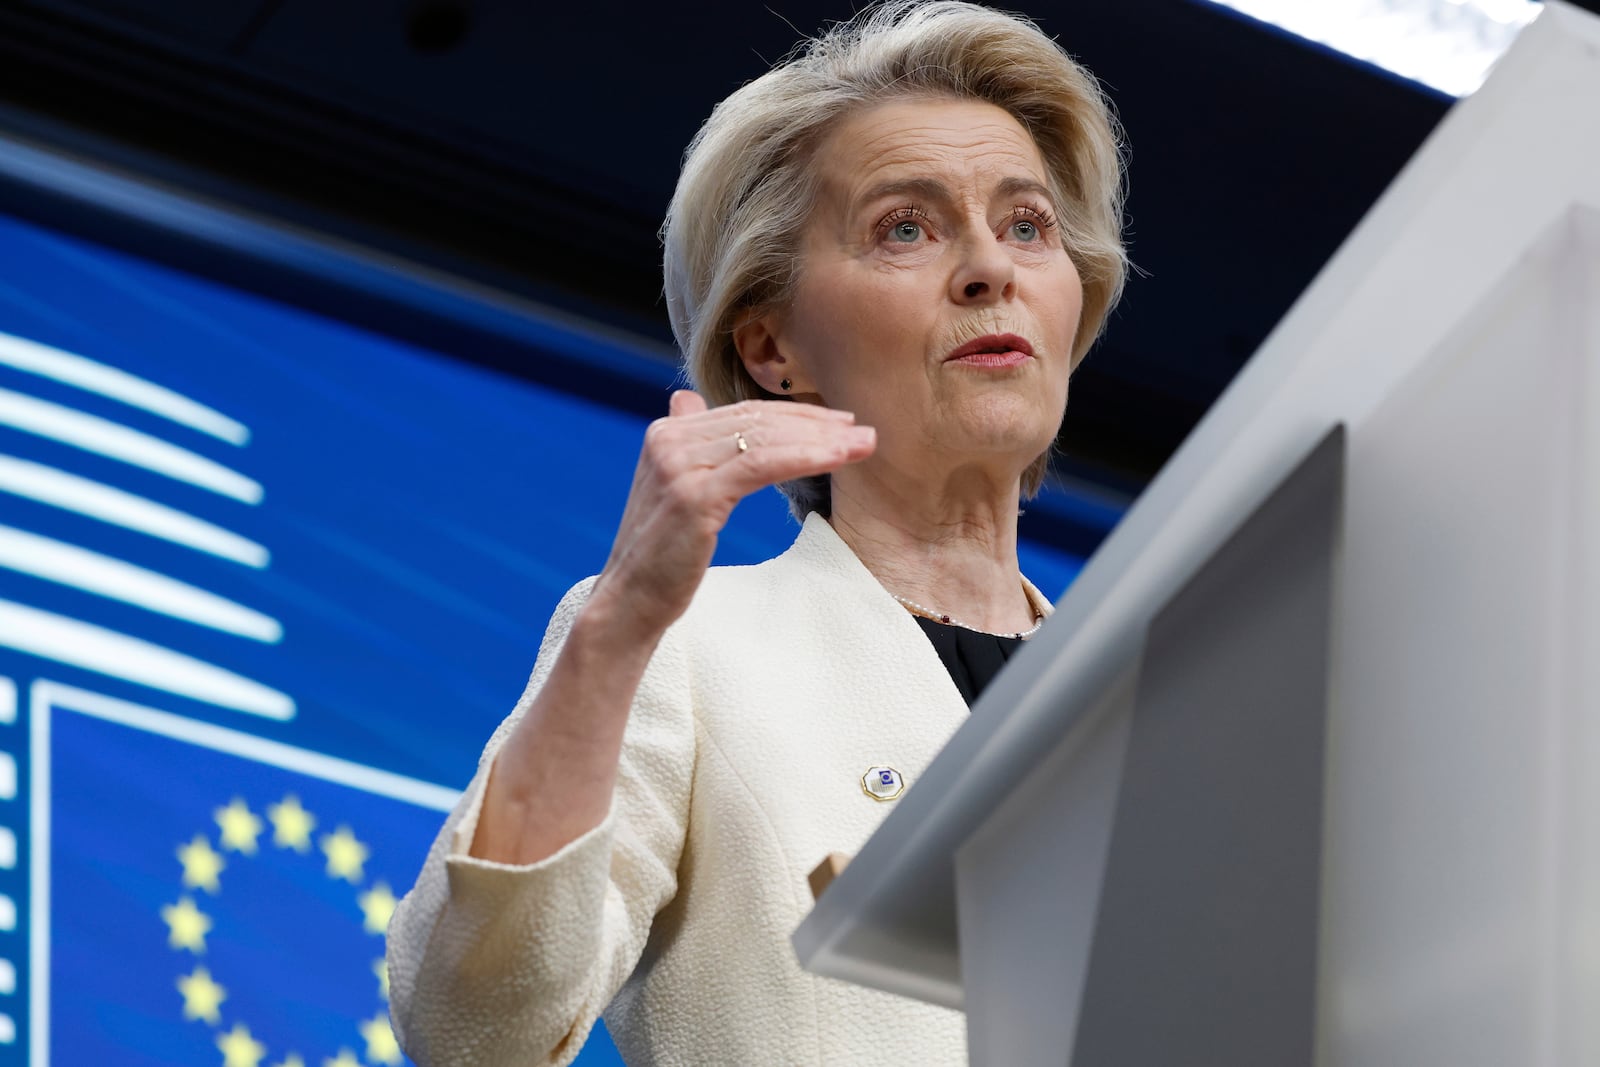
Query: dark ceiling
{"points": [[535, 146]]}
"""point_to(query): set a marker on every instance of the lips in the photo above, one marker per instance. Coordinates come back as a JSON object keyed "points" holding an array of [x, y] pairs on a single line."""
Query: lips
{"points": [[994, 344]]}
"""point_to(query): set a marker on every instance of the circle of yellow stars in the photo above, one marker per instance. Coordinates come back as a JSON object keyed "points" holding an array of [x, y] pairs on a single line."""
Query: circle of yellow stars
{"points": [[239, 830]]}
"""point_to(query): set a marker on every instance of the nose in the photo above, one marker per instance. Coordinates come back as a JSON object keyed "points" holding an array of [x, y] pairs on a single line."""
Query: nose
{"points": [[986, 273]]}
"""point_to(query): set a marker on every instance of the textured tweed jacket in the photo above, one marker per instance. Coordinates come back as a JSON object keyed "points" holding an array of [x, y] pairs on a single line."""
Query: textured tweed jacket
{"points": [[741, 769]]}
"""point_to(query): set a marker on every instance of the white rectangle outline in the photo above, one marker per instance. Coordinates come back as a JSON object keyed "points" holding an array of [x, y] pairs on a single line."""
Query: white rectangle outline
{"points": [[45, 697]]}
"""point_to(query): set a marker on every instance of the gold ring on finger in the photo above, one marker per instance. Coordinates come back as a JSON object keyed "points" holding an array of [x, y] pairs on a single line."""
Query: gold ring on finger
{"points": [[740, 442]]}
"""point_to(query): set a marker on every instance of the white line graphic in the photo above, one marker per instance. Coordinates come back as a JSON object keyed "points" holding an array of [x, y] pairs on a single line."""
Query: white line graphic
{"points": [[94, 434], [38, 879], [97, 500], [66, 564], [108, 381], [221, 739], [56, 637]]}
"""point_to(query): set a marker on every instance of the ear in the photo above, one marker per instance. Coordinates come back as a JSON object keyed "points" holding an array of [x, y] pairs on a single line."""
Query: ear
{"points": [[765, 357]]}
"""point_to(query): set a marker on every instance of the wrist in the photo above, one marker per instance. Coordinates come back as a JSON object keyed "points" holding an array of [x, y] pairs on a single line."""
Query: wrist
{"points": [[611, 626]]}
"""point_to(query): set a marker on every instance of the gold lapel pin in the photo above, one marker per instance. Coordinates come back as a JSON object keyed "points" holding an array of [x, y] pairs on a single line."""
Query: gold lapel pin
{"points": [[882, 783]]}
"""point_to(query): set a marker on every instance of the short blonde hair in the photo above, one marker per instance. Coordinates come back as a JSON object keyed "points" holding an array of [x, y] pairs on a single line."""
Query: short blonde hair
{"points": [[733, 232]]}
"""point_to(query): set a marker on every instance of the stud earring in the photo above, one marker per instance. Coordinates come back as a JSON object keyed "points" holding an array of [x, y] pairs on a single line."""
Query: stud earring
{"points": [[786, 385]]}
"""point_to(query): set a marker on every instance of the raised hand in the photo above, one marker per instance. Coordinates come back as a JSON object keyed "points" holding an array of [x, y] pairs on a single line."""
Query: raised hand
{"points": [[695, 466], [553, 778]]}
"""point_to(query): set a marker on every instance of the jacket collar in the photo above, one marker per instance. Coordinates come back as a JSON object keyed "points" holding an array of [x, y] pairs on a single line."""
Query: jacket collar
{"points": [[819, 545]]}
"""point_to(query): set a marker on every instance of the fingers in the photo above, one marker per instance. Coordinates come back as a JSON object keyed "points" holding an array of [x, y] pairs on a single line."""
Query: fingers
{"points": [[748, 413], [689, 425], [685, 402], [781, 461], [711, 439], [783, 440]]}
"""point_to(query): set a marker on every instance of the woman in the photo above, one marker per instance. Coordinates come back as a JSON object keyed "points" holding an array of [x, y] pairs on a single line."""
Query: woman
{"points": [[883, 260]]}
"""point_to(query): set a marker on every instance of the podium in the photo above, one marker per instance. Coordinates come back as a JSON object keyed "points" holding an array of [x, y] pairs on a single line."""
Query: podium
{"points": [[1306, 767]]}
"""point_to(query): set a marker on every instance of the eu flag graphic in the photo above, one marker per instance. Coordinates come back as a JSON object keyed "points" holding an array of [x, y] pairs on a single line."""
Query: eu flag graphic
{"points": [[232, 914]]}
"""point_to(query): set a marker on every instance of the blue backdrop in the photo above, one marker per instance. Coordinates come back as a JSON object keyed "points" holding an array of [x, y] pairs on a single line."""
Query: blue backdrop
{"points": [[267, 583]]}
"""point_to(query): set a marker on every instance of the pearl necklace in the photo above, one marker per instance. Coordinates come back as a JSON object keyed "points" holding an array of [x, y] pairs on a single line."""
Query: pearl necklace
{"points": [[939, 616]]}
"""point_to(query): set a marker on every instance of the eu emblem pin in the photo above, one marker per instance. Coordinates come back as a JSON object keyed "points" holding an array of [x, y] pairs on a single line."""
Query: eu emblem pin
{"points": [[882, 783]]}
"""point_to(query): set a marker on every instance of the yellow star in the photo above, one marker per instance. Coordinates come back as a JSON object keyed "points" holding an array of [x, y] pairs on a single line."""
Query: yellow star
{"points": [[291, 1060], [187, 925], [240, 827], [239, 1049], [346, 1058], [377, 904], [381, 1045], [380, 967], [201, 865], [201, 996], [291, 824], [346, 855]]}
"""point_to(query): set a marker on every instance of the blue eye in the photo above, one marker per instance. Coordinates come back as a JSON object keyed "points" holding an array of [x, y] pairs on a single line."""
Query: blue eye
{"points": [[1025, 230], [906, 232], [904, 226]]}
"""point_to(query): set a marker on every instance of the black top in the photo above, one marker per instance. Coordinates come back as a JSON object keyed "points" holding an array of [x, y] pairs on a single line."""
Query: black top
{"points": [[972, 658]]}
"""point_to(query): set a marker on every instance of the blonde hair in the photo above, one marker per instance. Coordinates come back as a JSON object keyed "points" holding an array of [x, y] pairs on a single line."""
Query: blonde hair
{"points": [[734, 228]]}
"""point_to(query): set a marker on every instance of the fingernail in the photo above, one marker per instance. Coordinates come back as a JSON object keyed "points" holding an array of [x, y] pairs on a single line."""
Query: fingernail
{"points": [[842, 416], [864, 434]]}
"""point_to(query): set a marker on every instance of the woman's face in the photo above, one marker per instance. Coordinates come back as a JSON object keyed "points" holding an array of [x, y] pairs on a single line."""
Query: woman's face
{"points": [[934, 235]]}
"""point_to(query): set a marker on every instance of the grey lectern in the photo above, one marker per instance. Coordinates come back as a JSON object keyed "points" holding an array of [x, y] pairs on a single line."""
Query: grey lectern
{"points": [[1306, 767]]}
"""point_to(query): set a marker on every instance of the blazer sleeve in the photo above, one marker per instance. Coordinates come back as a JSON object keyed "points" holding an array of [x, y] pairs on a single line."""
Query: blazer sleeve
{"points": [[493, 963]]}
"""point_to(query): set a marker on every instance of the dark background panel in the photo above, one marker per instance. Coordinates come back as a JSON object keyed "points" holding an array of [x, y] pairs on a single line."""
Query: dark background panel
{"points": [[534, 147]]}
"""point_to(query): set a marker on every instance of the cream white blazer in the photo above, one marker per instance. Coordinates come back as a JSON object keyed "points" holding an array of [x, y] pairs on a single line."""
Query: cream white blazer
{"points": [[741, 769]]}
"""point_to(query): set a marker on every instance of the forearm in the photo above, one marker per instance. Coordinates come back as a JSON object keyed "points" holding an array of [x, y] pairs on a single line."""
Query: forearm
{"points": [[553, 779]]}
